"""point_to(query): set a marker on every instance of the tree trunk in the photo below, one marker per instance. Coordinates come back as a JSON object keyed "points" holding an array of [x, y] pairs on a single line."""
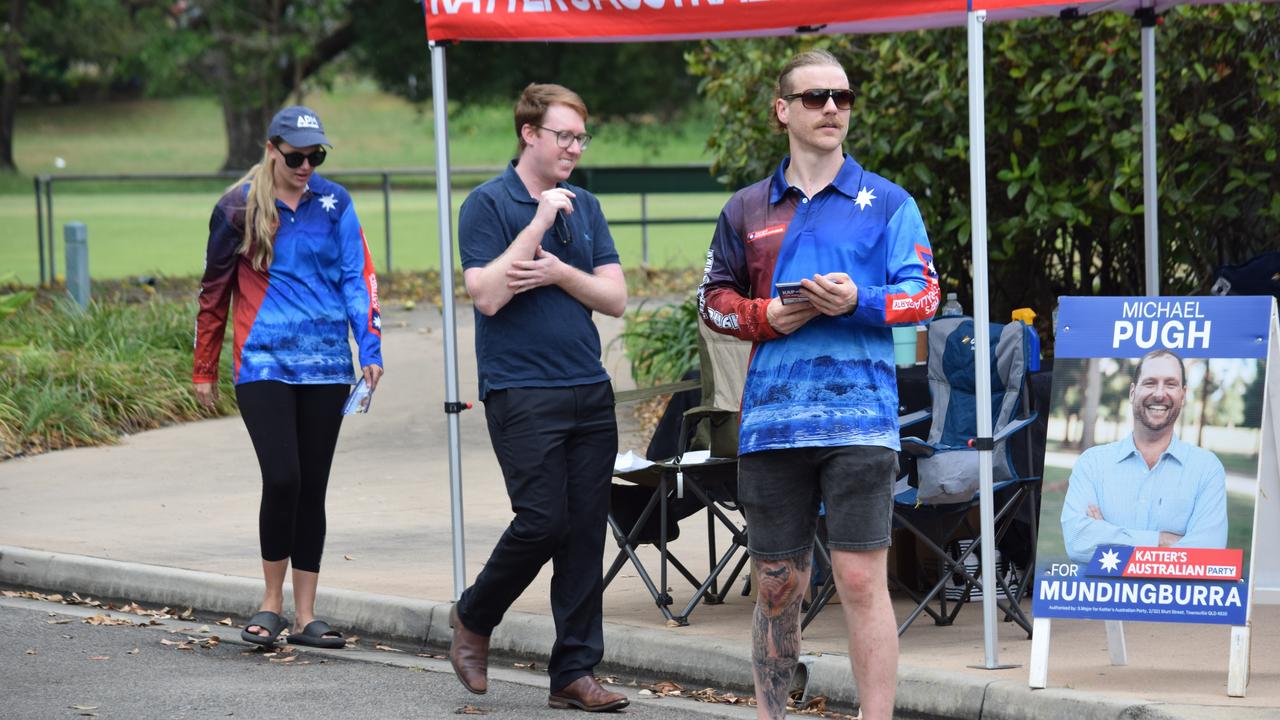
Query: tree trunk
{"points": [[246, 134], [1206, 387], [247, 122], [1089, 405], [12, 84]]}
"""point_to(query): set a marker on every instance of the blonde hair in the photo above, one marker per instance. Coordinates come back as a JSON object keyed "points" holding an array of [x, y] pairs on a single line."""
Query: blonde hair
{"points": [[260, 215], [534, 101], [817, 56]]}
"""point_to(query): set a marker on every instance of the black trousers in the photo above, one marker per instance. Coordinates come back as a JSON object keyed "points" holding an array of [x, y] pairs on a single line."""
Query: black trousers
{"points": [[294, 429], [556, 447]]}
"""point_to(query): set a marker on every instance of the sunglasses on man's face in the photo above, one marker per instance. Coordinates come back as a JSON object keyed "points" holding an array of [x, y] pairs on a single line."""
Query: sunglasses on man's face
{"points": [[294, 159], [816, 99]]}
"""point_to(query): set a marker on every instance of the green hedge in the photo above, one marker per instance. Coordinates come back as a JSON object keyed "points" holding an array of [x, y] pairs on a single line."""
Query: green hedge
{"points": [[71, 378]]}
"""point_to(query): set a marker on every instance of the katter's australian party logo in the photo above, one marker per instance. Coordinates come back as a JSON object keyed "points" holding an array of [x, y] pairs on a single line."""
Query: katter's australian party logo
{"points": [[1149, 584], [1166, 563]]}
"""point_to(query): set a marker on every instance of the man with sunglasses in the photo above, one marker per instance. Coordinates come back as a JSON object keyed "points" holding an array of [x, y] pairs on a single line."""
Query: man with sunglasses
{"points": [[819, 409], [538, 260]]}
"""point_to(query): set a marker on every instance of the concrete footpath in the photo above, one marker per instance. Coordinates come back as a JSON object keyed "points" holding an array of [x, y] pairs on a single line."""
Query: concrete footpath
{"points": [[170, 517]]}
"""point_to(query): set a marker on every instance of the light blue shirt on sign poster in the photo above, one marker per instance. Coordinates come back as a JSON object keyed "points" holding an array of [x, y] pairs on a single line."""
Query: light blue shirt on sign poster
{"points": [[1185, 494]]}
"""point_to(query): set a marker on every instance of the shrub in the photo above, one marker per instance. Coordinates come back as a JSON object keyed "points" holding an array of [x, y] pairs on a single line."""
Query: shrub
{"points": [[662, 344], [72, 377]]}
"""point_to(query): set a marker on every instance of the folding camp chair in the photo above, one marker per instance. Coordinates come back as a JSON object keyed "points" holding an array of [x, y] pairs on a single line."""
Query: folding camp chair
{"points": [[934, 499], [680, 486]]}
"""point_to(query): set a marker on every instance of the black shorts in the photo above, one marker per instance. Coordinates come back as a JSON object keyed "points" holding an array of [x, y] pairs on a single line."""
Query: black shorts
{"points": [[780, 491]]}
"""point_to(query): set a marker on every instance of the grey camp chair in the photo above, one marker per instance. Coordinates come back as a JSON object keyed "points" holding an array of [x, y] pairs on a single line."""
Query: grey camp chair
{"points": [[942, 471], [680, 489]]}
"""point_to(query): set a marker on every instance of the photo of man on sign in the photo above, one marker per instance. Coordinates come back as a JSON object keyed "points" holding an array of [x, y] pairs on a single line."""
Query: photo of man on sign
{"points": [[1151, 488]]}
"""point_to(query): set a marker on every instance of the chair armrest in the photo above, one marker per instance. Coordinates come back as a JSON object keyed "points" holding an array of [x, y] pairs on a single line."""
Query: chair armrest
{"points": [[650, 392], [914, 418], [916, 447], [1014, 427], [702, 411]]}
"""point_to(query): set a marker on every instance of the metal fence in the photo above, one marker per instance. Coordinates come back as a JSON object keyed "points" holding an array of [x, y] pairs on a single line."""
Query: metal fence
{"points": [[642, 180]]}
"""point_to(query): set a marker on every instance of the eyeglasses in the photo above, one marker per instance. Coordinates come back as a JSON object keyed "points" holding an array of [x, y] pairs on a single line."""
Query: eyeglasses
{"points": [[565, 139], [816, 99], [294, 159]]}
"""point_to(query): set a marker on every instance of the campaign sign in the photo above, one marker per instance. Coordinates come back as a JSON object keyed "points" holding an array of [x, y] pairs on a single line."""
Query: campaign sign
{"points": [[1151, 464]]}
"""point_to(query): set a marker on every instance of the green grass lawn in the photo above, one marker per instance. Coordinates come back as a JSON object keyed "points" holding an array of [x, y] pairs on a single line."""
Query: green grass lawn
{"points": [[369, 129], [146, 229], [165, 233]]}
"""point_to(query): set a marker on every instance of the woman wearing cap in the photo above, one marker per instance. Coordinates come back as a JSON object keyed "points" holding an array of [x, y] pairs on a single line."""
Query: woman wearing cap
{"points": [[285, 245]]}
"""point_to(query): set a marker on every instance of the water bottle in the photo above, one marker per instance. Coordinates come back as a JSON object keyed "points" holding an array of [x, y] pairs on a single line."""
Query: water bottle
{"points": [[1027, 317], [951, 307]]}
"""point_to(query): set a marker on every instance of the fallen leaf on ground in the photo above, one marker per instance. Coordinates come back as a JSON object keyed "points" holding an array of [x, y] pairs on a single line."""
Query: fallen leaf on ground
{"points": [[225, 621], [646, 692], [433, 656], [99, 657], [388, 648], [60, 621], [31, 651], [347, 557], [525, 665], [666, 687], [817, 703], [290, 658], [107, 620], [711, 695], [203, 629], [470, 710], [187, 615], [132, 652]]}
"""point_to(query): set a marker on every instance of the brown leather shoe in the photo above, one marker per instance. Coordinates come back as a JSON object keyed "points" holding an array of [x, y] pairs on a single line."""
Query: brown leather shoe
{"points": [[586, 693], [469, 655]]}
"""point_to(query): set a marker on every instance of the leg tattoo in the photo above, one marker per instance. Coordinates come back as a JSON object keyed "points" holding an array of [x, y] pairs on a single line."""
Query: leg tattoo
{"points": [[775, 634]]}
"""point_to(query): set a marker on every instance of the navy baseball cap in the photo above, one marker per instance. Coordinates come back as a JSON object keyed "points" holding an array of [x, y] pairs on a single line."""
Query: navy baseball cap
{"points": [[299, 126]]}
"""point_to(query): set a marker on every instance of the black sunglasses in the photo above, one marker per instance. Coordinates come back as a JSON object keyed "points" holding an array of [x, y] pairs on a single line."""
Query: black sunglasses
{"points": [[565, 238], [816, 99], [294, 159]]}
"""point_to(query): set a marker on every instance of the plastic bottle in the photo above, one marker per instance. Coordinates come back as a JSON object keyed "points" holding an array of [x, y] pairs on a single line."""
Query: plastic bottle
{"points": [[1028, 316], [951, 307]]}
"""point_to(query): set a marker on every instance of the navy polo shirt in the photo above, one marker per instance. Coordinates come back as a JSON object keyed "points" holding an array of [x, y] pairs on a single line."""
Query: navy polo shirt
{"points": [[543, 337]]}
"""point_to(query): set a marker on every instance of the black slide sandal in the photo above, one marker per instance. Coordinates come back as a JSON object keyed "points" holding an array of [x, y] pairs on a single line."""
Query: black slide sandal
{"points": [[273, 623], [317, 633]]}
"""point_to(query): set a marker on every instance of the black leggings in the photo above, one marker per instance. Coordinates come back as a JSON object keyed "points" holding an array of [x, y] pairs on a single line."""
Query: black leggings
{"points": [[294, 429]]}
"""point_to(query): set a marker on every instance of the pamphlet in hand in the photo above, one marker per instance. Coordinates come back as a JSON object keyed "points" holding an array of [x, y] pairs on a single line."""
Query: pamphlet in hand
{"points": [[789, 292], [359, 399]]}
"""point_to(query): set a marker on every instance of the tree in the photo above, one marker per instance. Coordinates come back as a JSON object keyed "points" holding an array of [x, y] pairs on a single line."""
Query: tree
{"points": [[254, 54], [42, 55], [615, 79], [1064, 151], [11, 65]]}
